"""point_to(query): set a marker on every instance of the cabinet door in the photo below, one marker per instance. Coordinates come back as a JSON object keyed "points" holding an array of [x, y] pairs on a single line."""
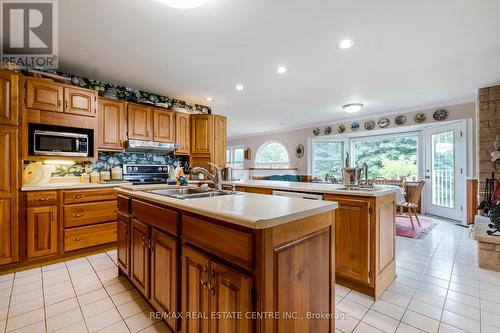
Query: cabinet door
{"points": [[202, 134], [44, 95], [139, 256], [8, 195], [80, 101], [182, 133], [164, 275], [220, 141], [112, 124], [123, 243], [164, 125], [195, 295], [230, 291], [139, 122], [42, 231], [352, 239], [9, 94]]}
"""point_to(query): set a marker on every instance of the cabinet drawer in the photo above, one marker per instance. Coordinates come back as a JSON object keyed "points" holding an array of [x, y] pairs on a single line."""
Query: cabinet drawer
{"points": [[82, 237], [155, 216], [89, 213], [41, 198], [230, 244], [79, 196]]}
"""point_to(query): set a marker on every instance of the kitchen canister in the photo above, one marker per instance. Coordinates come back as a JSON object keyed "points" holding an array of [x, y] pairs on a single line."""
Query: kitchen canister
{"points": [[85, 178], [105, 175], [117, 173], [94, 177]]}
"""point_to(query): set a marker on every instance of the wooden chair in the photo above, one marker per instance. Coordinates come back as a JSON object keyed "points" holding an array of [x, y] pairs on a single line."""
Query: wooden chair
{"points": [[384, 181], [412, 204]]}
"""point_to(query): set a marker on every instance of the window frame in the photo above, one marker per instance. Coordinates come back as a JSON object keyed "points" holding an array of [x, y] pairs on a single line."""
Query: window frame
{"points": [[345, 147], [231, 160], [272, 165]]}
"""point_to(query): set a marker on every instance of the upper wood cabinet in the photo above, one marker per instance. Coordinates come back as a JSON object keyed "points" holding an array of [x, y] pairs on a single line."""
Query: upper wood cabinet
{"points": [[163, 125], [220, 141], [208, 137], [182, 133], [80, 101], [46, 95], [112, 125], [139, 256], [9, 97], [42, 231], [8, 195], [139, 122]]}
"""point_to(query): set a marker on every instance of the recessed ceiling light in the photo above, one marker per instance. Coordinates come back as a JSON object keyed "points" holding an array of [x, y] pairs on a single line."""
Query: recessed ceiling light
{"points": [[209, 99], [346, 44], [183, 4], [352, 107], [239, 87], [281, 70]]}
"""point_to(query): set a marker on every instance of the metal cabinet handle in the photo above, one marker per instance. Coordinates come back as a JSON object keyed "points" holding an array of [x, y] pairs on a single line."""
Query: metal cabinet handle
{"points": [[59, 103], [53, 216], [80, 196], [212, 288], [203, 273], [77, 239], [150, 244], [143, 240], [42, 199], [67, 104], [78, 215]]}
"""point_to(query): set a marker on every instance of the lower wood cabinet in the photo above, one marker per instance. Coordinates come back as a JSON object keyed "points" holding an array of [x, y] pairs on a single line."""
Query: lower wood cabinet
{"points": [[41, 231], [89, 236], [139, 256], [123, 242]]}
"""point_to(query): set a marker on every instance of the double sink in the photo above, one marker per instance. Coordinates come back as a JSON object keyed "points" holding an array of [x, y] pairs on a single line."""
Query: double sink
{"points": [[190, 193]]}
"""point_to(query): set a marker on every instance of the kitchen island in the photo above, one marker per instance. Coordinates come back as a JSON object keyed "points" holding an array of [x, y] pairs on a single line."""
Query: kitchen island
{"points": [[234, 263]]}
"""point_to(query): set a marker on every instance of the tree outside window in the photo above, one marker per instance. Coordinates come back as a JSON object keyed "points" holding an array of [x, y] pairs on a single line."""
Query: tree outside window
{"points": [[272, 154], [327, 159]]}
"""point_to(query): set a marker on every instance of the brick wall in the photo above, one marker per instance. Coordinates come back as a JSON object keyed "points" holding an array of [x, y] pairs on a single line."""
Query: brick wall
{"points": [[488, 129]]}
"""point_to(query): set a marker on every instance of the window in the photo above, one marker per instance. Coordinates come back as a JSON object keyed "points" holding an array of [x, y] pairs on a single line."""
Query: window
{"points": [[236, 157], [272, 154], [389, 156], [327, 159]]}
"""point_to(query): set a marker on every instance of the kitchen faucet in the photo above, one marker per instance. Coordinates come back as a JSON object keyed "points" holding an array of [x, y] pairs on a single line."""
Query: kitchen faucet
{"points": [[215, 178]]}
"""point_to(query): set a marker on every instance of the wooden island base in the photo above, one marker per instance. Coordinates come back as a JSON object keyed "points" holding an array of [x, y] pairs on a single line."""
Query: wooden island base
{"points": [[206, 269]]}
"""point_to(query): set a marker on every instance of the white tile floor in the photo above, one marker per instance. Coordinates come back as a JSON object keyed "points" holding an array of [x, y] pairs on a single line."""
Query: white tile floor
{"points": [[439, 288], [81, 295]]}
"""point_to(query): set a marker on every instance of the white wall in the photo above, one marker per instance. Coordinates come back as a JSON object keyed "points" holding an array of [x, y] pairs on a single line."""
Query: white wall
{"points": [[292, 138]]}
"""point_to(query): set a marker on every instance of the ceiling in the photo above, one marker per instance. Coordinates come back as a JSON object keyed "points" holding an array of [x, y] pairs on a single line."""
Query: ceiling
{"points": [[407, 54]]}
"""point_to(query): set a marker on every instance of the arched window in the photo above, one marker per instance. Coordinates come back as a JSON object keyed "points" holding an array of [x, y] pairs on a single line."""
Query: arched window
{"points": [[272, 154]]}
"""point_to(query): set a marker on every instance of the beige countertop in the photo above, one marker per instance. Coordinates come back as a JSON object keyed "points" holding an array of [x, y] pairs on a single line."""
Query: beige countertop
{"points": [[70, 186], [379, 190], [256, 211]]}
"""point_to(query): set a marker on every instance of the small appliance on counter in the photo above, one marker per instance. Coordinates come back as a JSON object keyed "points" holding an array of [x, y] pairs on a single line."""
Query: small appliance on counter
{"points": [[352, 177], [228, 174], [141, 174]]}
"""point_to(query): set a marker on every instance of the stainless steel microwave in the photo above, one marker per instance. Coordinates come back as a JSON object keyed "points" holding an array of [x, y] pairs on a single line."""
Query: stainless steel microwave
{"points": [[54, 143]]}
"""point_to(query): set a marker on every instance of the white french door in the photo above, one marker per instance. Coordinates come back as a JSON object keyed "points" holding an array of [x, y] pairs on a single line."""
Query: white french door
{"points": [[445, 171]]}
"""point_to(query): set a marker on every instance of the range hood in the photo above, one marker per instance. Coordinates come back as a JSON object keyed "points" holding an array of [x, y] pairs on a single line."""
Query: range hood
{"points": [[150, 147]]}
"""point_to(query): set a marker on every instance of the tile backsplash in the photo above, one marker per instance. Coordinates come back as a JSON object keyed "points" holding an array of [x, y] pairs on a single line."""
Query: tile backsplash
{"points": [[106, 161]]}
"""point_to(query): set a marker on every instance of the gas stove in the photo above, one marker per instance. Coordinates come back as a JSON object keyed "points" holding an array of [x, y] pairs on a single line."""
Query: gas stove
{"points": [[146, 173]]}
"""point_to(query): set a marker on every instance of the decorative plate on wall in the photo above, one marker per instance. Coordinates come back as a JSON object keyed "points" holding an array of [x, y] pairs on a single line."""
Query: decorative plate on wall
{"points": [[327, 130], [440, 114], [355, 126], [369, 125], [420, 117], [341, 129], [316, 131], [299, 151], [400, 120], [383, 123]]}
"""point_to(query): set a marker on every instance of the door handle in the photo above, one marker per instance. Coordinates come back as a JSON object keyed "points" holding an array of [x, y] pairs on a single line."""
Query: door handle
{"points": [[210, 287], [203, 273], [427, 177]]}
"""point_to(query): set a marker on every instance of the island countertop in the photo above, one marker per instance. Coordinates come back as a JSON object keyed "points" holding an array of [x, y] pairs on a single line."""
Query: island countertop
{"points": [[255, 211]]}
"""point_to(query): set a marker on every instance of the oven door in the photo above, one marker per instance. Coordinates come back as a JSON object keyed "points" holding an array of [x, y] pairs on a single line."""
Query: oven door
{"points": [[46, 143]]}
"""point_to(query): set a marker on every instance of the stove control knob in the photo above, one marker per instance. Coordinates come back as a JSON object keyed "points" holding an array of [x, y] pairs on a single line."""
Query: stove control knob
{"points": [[136, 168], [160, 168]]}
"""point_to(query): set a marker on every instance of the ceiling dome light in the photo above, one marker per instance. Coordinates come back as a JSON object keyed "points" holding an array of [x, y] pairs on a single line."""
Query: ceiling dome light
{"points": [[183, 4], [209, 99], [352, 107], [239, 87], [281, 70], [345, 44]]}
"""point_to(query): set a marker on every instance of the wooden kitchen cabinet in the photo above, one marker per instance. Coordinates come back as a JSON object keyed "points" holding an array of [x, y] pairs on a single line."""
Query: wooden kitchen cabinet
{"points": [[45, 95], [139, 256], [220, 141], [182, 133], [164, 268], [9, 95], [139, 122], [202, 133], [208, 140], [80, 101], [123, 242], [163, 125], [42, 231], [8, 195], [112, 125]]}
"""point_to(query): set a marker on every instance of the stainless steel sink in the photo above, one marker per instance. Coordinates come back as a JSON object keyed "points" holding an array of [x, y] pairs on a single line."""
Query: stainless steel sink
{"points": [[189, 193]]}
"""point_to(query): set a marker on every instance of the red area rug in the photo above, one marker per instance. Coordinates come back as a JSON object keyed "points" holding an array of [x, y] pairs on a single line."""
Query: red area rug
{"points": [[403, 226]]}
